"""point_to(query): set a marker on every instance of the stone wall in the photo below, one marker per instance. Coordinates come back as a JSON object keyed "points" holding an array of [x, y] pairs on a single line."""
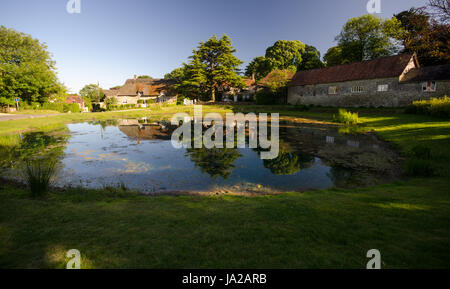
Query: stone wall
{"points": [[398, 94]]}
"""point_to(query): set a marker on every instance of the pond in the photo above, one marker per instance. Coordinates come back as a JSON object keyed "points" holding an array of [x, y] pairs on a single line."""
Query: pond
{"points": [[139, 155]]}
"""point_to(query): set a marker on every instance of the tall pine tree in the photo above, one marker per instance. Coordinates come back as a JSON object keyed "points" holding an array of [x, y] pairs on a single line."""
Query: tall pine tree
{"points": [[221, 67]]}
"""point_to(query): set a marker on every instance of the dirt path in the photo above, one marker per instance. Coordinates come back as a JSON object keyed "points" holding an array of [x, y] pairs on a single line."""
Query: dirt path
{"points": [[8, 116]]}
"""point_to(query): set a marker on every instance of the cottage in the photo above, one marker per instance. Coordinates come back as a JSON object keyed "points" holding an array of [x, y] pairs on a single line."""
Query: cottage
{"points": [[73, 98], [393, 81], [144, 89], [246, 93]]}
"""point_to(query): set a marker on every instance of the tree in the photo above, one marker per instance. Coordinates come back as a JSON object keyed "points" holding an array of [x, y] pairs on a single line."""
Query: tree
{"points": [[26, 69], [425, 36], [259, 67], [292, 55], [285, 54], [334, 56], [92, 92], [192, 80], [310, 59], [221, 67], [144, 77], [368, 37], [176, 75], [440, 9], [277, 79]]}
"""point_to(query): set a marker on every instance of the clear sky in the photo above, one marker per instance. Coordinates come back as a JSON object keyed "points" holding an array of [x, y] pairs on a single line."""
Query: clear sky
{"points": [[111, 40]]}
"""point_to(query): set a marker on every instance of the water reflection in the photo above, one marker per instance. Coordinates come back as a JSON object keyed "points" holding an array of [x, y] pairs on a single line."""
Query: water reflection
{"points": [[139, 153]]}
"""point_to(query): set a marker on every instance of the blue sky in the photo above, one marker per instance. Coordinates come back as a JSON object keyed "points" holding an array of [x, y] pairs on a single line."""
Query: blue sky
{"points": [[111, 40]]}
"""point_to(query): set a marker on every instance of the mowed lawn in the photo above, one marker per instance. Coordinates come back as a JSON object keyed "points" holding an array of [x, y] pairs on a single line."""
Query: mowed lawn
{"points": [[407, 221]]}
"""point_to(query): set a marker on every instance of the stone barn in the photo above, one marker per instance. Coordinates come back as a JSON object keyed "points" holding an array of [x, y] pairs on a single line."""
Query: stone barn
{"points": [[393, 81]]}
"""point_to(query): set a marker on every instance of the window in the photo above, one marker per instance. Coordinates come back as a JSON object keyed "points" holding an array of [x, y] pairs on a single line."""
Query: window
{"points": [[124, 100], [429, 86], [357, 89], [383, 87], [332, 90]]}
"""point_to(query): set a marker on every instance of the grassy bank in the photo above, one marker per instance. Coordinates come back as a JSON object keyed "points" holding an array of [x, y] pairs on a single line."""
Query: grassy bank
{"points": [[407, 221]]}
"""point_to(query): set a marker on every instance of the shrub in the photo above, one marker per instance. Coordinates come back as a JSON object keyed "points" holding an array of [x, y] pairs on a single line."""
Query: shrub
{"points": [[72, 107], [265, 97], [38, 175], [301, 107], [346, 117], [436, 107]]}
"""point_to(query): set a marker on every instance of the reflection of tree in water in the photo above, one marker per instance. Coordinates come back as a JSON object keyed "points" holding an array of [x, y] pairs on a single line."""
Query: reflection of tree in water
{"points": [[289, 163], [216, 162], [344, 178], [46, 147], [105, 123]]}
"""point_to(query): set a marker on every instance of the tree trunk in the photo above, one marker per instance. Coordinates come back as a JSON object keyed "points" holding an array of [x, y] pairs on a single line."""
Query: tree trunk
{"points": [[213, 94]]}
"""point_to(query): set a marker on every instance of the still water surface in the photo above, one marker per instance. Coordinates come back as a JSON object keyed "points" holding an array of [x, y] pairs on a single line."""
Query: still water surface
{"points": [[139, 155]]}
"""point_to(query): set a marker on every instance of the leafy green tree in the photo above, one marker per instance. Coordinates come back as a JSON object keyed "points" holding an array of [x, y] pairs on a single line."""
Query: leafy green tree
{"points": [[221, 66], [285, 54], [334, 56], [92, 92], [26, 69], [368, 37], [110, 102], [291, 55], [425, 36], [277, 79], [259, 67], [192, 80], [177, 74], [144, 77], [310, 59]]}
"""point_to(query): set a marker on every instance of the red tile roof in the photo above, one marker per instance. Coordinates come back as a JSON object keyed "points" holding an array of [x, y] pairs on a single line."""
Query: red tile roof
{"points": [[386, 67], [74, 99]]}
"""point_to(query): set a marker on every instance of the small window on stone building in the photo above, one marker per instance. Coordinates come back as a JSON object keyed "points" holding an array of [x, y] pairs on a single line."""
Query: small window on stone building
{"points": [[124, 101], [332, 90], [429, 86], [357, 89], [383, 87]]}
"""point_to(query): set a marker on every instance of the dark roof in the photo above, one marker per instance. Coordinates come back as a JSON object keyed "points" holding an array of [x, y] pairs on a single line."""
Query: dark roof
{"points": [[437, 72], [386, 67]]}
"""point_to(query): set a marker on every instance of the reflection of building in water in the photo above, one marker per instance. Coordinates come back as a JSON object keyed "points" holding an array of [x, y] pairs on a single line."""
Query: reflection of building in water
{"points": [[355, 151], [141, 130]]}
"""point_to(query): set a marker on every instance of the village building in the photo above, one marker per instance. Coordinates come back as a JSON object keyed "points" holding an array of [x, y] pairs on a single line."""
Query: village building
{"points": [[143, 91], [241, 94], [394, 81], [74, 98]]}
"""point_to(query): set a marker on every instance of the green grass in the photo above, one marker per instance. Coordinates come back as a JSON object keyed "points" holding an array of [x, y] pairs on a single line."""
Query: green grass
{"points": [[31, 111], [408, 221]]}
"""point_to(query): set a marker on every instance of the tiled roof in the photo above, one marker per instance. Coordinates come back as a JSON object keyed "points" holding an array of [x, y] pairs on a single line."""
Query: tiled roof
{"points": [[74, 99], [386, 67]]}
